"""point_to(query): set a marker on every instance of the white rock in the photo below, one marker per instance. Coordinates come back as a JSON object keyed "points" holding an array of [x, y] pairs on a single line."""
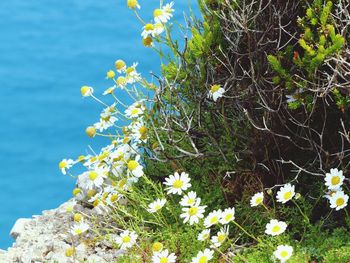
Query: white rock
{"points": [[19, 227]]}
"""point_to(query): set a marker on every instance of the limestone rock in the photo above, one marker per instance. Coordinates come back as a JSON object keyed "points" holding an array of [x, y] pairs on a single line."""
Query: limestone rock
{"points": [[46, 238]]}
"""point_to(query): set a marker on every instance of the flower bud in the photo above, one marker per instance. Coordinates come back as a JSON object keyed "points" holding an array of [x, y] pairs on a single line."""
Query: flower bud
{"points": [[147, 42], [133, 4], [120, 65], [90, 131], [86, 91], [110, 74]]}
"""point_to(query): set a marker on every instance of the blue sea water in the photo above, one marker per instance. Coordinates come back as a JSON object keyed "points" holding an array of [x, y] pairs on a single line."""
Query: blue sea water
{"points": [[48, 50]]}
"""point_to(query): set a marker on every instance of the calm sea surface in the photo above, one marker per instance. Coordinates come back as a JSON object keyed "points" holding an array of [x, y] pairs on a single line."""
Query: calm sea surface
{"points": [[48, 50]]}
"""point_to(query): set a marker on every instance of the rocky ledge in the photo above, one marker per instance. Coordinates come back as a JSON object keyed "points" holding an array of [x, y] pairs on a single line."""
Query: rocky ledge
{"points": [[45, 238]]}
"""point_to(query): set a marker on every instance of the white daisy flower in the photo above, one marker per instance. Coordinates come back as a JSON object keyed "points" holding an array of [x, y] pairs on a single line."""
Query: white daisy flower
{"points": [[158, 29], [338, 200], [334, 179], [126, 239], [156, 205], [213, 218], [177, 183], [220, 237], [164, 257], [204, 235], [275, 227], [86, 91], [121, 82], [189, 199], [106, 121], [203, 256], [285, 193], [193, 214], [227, 216], [135, 168], [139, 131], [109, 90], [65, 164], [79, 228], [216, 92], [147, 30], [257, 199], [283, 253], [163, 15], [133, 76], [96, 178], [133, 112], [69, 206]]}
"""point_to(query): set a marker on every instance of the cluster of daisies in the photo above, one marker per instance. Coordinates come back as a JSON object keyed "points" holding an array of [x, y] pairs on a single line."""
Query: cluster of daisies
{"points": [[155, 28], [334, 181], [112, 171]]}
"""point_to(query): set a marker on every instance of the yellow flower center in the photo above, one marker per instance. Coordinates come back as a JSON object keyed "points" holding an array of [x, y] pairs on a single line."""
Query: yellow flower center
{"points": [[62, 165], [126, 140], [287, 195], [157, 246], [70, 251], [191, 201], [258, 200], [130, 70], [126, 239], [119, 64], [340, 201], [110, 74], [147, 42], [221, 237], [122, 183], [132, 165], [178, 184], [96, 203], [203, 259], [157, 207], [149, 27], [214, 88], [114, 198], [93, 175], [157, 12], [284, 254], [193, 211], [134, 111], [121, 81], [78, 231], [91, 193], [76, 191], [132, 4], [228, 217], [85, 90], [164, 260], [335, 180], [275, 229], [214, 220], [77, 217], [143, 130]]}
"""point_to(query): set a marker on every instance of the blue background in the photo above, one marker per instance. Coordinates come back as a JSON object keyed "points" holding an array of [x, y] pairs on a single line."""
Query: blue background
{"points": [[48, 50]]}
